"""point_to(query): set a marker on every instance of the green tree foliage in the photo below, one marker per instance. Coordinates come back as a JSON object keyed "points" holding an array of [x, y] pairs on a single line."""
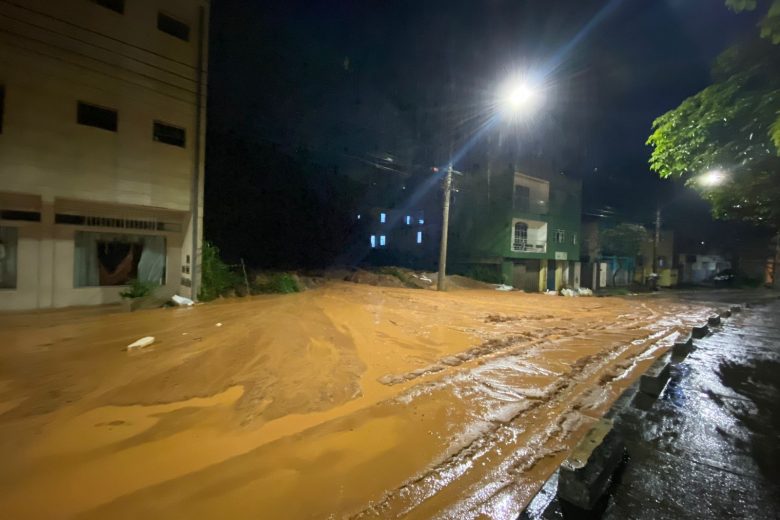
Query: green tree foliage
{"points": [[623, 240], [734, 126]]}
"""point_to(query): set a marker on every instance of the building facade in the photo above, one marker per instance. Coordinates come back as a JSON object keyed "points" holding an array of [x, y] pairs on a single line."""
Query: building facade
{"points": [[519, 228], [102, 123]]}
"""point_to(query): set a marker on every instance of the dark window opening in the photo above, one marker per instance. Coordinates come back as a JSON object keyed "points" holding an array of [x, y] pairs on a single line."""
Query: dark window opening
{"points": [[91, 115], [2, 106], [115, 5], [169, 134], [104, 259], [173, 27], [27, 216]]}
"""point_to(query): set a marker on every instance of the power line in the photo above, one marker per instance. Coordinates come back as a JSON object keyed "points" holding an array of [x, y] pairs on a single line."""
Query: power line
{"points": [[108, 49], [85, 29], [57, 58], [98, 60]]}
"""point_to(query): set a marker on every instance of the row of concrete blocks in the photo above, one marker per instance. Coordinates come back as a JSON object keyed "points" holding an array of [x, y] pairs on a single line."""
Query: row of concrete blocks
{"points": [[587, 474]]}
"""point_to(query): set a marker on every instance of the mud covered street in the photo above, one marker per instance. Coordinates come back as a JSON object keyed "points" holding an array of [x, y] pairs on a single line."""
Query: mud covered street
{"points": [[348, 401]]}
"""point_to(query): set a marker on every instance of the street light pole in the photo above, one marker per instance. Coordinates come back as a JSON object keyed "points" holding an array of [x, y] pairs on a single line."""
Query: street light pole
{"points": [[445, 221]]}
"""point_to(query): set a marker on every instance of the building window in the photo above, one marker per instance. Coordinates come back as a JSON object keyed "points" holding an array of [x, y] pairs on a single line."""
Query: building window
{"points": [[522, 198], [102, 259], [169, 134], [373, 241], [408, 220], [2, 106], [8, 247], [574, 239], [419, 237], [520, 237], [99, 117], [115, 5], [560, 236], [421, 217], [174, 27], [382, 218], [382, 240]]}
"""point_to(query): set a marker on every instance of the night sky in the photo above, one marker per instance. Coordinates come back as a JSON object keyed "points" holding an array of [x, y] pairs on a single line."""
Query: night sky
{"points": [[352, 79]]}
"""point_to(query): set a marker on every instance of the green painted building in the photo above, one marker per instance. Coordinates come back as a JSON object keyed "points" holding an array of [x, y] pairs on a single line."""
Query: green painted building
{"points": [[521, 228]]}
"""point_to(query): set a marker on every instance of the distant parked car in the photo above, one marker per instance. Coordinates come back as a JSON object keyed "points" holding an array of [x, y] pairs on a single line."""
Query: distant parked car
{"points": [[725, 277]]}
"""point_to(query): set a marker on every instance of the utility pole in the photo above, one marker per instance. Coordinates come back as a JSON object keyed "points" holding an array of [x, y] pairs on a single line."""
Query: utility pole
{"points": [[656, 239], [445, 221]]}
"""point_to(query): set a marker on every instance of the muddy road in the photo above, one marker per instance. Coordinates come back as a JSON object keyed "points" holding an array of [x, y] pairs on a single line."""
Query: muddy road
{"points": [[348, 401]]}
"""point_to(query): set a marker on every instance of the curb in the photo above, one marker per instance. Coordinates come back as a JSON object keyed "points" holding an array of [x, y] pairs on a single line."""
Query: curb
{"points": [[587, 474]]}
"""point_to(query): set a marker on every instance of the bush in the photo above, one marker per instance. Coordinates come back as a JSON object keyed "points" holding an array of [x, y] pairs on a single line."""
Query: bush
{"points": [[138, 289], [216, 277], [280, 283]]}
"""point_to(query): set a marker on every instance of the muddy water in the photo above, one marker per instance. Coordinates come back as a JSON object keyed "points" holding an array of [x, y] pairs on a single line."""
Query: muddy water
{"points": [[346, 402]]}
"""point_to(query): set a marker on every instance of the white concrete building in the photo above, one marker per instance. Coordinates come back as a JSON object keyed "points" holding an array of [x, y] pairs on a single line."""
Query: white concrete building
{"points": [[102, 126]]}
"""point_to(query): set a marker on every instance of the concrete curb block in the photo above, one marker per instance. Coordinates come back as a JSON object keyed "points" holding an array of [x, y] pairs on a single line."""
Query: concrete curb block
{"points": [[681, 349], [700, 332], [713, 320], [654, 380], [587, 474]]}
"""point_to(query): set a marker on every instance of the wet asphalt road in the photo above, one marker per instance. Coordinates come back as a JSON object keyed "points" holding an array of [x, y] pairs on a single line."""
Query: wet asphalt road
{"points": [[709, 447]]}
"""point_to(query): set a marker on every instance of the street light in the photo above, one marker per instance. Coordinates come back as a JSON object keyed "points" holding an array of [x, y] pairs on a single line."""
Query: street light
{"points": [[519, 97], [713, 178]]}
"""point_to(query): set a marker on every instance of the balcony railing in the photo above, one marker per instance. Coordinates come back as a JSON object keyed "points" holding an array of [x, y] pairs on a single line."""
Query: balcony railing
{"points": [[523, 246]]}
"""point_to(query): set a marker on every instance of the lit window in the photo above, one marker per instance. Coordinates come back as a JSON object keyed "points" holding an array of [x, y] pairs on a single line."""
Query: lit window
{"points": [[382, 240], [408, 220], [420, 218], [373, 240], [419, 237], [574, 238], [560, 236], [382, 218], [358, 217]]}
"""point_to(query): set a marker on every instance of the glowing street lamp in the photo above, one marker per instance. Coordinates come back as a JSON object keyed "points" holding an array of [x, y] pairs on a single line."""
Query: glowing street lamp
{"points": [[519, 97], [713, 178]]}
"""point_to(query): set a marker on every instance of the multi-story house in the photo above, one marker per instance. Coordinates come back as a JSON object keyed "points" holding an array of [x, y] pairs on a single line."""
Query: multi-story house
{"points": [[521, 228], [102, 125]]}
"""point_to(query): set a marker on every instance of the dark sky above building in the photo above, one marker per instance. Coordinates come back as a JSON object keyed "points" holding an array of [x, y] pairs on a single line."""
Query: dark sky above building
{"points": [[300, 73]]}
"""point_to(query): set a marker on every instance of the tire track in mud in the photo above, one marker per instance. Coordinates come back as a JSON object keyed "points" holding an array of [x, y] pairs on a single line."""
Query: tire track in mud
{"points": [[503, 433], [498, 345]]}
